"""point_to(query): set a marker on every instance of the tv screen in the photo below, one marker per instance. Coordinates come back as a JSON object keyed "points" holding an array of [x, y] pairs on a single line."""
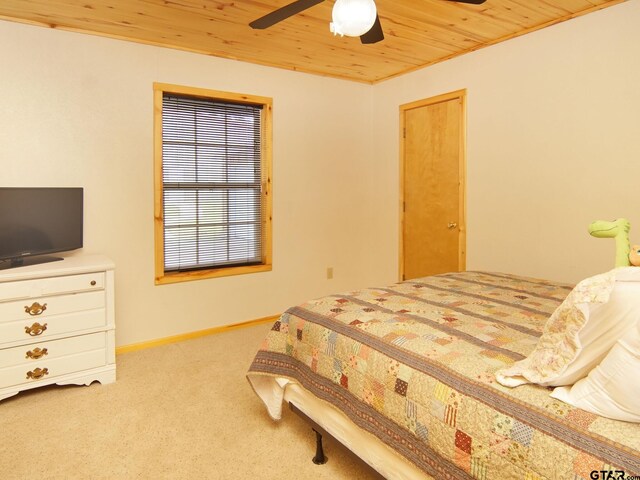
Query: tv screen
{"points": [[38, 221]]}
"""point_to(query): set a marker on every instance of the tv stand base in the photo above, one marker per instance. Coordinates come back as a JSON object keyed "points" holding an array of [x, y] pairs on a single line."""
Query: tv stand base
{"points": [[26, 261]]}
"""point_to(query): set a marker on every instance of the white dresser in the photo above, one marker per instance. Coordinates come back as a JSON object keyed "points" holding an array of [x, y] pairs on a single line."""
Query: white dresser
{"points": [[57, 324]]}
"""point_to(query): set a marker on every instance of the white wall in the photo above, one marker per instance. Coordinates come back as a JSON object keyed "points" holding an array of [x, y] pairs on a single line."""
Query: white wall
{"points": [[553, 144], [553, 122], [77, 110]]}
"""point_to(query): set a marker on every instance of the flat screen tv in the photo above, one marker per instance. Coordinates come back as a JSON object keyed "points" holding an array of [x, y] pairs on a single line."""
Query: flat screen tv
{"points": [[35, 222]]}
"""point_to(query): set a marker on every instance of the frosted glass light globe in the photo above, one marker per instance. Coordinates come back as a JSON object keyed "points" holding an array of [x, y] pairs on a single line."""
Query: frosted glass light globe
{"points": [[353, 17]]}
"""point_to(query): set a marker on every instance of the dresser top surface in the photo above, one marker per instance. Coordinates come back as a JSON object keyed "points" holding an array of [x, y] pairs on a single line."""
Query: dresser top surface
{"points": [[71, 265]]}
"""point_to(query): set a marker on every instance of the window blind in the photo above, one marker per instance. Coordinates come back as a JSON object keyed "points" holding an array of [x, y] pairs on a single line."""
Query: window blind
{"points": [[211, 177]]}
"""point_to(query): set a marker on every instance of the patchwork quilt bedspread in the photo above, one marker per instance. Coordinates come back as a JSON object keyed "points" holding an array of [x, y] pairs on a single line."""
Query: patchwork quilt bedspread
{"points": [[414, 365]]}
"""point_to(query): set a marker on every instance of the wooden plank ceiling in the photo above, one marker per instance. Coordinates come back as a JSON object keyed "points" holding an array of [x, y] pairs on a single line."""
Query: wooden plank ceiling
{"points": [[417, 32]]}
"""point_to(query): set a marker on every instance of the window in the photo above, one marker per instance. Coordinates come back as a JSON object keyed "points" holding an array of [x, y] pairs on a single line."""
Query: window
{"points": [[212, 183]]}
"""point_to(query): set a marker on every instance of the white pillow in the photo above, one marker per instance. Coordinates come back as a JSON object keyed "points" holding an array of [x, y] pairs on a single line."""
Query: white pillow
{"points": [[612, 389], [628, 274], [606, 324], [581, 331]]}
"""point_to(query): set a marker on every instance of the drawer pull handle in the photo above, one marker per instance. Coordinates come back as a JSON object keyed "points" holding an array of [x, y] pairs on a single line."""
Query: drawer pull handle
{"points": [[35, 329], [35, 309], [93, 283], [38, 373], [37, 353]]}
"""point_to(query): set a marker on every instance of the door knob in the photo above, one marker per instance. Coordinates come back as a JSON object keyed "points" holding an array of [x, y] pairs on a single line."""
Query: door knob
{"points": [[452, 225]]}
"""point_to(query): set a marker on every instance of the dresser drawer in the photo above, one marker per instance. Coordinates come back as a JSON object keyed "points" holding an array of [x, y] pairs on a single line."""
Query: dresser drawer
{"points": [[42, 308], [34, 372], [48, 350], [55, 325], [41, 287]]}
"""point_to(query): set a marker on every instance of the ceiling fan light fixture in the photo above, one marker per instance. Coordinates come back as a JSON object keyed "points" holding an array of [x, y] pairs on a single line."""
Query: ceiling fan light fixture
{"points": [[353, 17]]}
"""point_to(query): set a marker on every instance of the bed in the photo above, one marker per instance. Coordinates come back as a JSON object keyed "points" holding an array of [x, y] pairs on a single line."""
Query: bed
{"points": [[404, 376]]}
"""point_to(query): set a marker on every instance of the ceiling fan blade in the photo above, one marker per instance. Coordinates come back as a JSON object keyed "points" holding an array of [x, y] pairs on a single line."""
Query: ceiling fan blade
{"points": [[283, 13], [375, 34], [472, 2]]}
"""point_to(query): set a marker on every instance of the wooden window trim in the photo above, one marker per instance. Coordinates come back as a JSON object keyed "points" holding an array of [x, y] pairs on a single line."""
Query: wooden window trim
{"points": [[162, 277]]}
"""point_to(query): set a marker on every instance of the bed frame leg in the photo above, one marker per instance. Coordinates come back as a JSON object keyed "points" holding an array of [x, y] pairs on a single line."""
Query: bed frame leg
{"points": [[319, 459]]}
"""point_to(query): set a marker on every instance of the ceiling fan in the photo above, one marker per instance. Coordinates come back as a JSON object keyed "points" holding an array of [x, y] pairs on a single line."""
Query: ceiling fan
{"points": [[354, 18]]}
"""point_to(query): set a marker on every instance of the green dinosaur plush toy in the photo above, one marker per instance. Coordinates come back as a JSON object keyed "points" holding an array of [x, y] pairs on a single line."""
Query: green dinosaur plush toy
{"points": [[618, 229]]}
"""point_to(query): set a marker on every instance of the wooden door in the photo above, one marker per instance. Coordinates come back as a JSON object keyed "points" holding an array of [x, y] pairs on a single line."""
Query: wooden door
{"points": [[432, 186]]}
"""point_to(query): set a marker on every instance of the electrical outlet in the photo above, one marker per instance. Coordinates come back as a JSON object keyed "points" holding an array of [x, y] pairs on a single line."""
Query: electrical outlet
{"points": [[329, 273]]}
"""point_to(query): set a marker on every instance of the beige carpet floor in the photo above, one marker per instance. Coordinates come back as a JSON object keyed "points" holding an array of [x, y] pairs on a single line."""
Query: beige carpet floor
{"points": [[180, 411]]}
